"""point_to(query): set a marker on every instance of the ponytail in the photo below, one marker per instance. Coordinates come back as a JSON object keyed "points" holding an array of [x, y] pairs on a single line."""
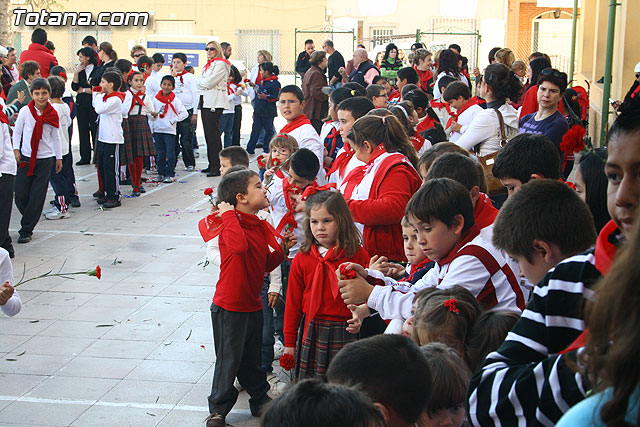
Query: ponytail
{"points": [[380, 126], [503, 81], [269, 67]]}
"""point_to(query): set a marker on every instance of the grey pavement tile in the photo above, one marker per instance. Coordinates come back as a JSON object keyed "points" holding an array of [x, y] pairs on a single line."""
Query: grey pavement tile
{"points": [[44, 414], [10, 342], [55, 346], [109, 416], [139, 391], [104, 315], [26, 326], [63, 298], [157, 332], [128, 287], [161, 370], [170, 317], [185, 351], [73, 388], [45, 311], [34, 364], [76, 328], [197, 334], [98, 367], [120, 349], [18, 384], [178, 303]]}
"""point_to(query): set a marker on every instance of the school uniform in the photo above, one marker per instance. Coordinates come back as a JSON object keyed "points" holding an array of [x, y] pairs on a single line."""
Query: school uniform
{"points": [[344, 163], [473, 263], [264, 111], [170, 112], [331, 139], [8, 169], [65, 181], [36, 136], [385, 184], [64, 190], [443, 111], [236, 311], [420, 143], [87, 116], [110, 141], [137, 109], [464, 117], [235, 93], [187, 92], [315, 318], [307, 136]]}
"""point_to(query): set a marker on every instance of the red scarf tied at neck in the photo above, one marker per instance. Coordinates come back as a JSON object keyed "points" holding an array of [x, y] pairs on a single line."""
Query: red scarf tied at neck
{"points": [[211, 61], [288, 218], [48, 116], [136, 100], [168, 102], [3, 117], [356, 176], [114, 94], [470, 103], [180, 74], [342, 160], [295, 124]]}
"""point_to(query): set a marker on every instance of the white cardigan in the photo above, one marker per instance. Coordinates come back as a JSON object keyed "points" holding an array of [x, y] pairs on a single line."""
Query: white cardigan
{"points": [[213, 85], [485, 130]]}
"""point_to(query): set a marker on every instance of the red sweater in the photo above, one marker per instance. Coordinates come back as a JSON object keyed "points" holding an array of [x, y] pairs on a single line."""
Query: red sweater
{"points": [[245, 257], [383, 211], [42, 56], [304, 294]]}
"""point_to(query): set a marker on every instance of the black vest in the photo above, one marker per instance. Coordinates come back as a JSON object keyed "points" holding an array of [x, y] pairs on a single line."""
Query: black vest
{"points": [[357, 75]]}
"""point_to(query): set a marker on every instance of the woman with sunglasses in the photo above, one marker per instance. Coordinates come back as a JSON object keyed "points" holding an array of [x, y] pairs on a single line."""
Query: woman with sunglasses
{"points": [[213, 101], [137, 52]]}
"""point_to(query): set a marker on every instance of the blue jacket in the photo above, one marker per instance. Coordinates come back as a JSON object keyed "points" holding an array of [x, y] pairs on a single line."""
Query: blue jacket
{"points": [[267, 107]]}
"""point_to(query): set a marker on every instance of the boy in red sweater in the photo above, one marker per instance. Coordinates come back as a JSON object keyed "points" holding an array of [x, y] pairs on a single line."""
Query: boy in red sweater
{"points": [[236, 312]]}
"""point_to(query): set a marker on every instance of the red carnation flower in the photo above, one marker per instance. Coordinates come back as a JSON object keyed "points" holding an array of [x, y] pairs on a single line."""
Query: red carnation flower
{"points": [[208, 191], [262, 163], [349, 274], [287, 362], [96, 273], [275, 162]]}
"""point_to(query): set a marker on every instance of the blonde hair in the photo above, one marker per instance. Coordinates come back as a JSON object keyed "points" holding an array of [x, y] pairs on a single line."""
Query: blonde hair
{"points": [[505, 56], [519, 66], [217, 47], [283, 140], [137, 48], [266, 54]]}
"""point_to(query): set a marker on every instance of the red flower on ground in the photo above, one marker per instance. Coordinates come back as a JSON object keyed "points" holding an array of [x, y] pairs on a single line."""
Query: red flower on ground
{"points": [[287, 362], [208, 191], [98, 272], [349, 274]]}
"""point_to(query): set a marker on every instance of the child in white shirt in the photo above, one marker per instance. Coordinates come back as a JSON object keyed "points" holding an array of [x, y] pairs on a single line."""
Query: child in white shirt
{"points": [[10, 303]]}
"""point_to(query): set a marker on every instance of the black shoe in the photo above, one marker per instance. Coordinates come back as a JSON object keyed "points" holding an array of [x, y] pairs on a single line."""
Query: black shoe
{"points": [[142, 190], [258, 407], [98, 194], [24, 238], [125, 182], [102, 200], [75, 203], [210, 174], [205, 170], [251, 152], [82, 162], [112, 203], [258, 145]]}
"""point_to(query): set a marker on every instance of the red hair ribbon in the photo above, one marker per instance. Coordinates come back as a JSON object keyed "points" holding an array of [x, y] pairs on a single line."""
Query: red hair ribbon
{"points": [[63, 75], [452, 305], [282, 135], [311, 190]]}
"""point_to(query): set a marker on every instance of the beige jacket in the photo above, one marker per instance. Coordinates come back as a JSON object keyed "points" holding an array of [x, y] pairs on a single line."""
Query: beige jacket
{"points": [[213, 85]]}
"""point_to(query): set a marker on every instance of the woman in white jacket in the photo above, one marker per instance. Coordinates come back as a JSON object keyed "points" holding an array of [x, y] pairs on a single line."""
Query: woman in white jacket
{"points": [[213, 101], [484, 133]]}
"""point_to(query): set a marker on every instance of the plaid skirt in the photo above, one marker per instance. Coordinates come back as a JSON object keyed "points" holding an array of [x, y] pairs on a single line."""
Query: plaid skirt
{"points": [[325, 338], [138, 140]]}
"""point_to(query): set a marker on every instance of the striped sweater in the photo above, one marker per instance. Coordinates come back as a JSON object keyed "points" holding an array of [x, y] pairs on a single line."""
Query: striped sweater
{"points": [[526, 381]]}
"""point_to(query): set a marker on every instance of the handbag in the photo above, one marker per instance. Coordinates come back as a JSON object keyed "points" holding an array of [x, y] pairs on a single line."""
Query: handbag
{"points": [[494, 185]]}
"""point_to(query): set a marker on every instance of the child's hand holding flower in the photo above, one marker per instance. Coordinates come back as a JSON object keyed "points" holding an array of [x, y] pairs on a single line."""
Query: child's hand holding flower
{"points": [[6, 292]]}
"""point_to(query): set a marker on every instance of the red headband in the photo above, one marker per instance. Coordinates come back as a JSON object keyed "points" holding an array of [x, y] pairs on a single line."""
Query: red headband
{"points": [[311, 190], [282, 135], [452, 305]]}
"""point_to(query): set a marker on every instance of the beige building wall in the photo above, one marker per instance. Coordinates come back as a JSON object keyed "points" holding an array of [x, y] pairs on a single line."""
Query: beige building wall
{"points": [[248, 25], [591, 54]]}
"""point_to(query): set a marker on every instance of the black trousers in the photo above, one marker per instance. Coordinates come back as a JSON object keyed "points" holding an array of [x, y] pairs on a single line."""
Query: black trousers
{"points": [[31, 192], [237, 338], [109, 169], [211, 126], [237, 121], [185, 141], [6, 202], [87, 130]]}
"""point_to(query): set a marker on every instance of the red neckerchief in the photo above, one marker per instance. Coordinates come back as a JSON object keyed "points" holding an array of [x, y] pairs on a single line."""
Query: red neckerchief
{"points": [[211, 61], [2, 95], [605, 249], [48, 116], [136, 100], [230, 91], [3, 117], [342, 160], [605, 253], [289, 217], [635, 92], [395, 94], [180, 74], [167, 101], [437, 104], [427, 123], [268, 79], [331, 140], [258, 77], [212, 225], [323, 275], [295, 123], [471, 234], [356, 176], [417, 140], [425, 76], [116, 94], [470, 103], [485, 213]]}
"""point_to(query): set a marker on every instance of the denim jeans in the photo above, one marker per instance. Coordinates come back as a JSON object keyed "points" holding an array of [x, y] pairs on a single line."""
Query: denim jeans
{"points": [[226, 127], [166, 147], [261, 123], [272, 322]]}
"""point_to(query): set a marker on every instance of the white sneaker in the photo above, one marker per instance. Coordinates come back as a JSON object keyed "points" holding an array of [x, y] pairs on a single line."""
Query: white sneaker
{"points": [[278, 350], [196, 153], [190, 168], [168, 179], [57, 215], [51, 210], [277, 385]]}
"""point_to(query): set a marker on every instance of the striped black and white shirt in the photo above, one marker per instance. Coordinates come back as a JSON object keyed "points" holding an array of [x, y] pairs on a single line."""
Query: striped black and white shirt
{"points": [[526, 381]]}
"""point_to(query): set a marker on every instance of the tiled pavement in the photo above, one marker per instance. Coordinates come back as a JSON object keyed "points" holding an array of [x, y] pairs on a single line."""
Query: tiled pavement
{"points": [[131, 349]]}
